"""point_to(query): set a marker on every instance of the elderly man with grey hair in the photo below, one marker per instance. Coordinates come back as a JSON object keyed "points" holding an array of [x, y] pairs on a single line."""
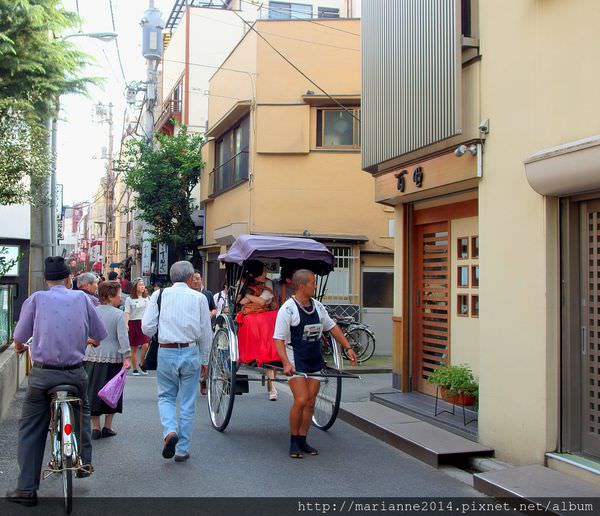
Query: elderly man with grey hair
{"points": [[182, 321], [88, 282]]}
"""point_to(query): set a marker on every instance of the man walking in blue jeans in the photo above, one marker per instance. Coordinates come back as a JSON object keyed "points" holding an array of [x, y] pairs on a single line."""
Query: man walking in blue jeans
{"points": [[183, 322]]}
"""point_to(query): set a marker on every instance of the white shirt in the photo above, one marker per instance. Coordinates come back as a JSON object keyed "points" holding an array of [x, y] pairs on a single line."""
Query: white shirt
{"points": [[289, 316], [184, 316], [220, 301], [135, 307]]}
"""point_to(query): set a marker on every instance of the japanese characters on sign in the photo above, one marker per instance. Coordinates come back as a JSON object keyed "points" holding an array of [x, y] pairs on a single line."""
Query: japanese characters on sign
{"points": [[163, 259]]}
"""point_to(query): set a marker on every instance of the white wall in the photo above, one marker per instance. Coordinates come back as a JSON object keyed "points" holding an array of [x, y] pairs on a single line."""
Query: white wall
{"points": [[14, 221]]}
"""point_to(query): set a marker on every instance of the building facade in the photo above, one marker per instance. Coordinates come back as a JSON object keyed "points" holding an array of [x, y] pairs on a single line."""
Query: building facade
{"points": [[487, 158], [283, 158]]}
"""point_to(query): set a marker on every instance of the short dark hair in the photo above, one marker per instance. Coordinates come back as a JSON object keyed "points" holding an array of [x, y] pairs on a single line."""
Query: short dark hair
{"points": [[253, 268], [108, 289], [112, 275]]}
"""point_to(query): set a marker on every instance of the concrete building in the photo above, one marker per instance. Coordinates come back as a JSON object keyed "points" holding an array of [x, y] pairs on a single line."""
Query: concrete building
{"points": [[283, 158], [491, 161]]}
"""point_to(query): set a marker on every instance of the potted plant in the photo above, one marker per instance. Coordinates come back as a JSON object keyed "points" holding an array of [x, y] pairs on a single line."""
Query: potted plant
{"points": [[457, 384]]}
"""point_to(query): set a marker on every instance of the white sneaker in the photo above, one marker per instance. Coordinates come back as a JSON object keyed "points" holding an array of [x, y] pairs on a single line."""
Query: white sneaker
{"points": [[273, 394], [135, 372], [143, 371]]}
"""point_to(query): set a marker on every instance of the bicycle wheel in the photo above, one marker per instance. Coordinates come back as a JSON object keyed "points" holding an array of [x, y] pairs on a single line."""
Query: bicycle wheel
{"points": [[329, 397], [362, 342], [67, 480], [221, 380]]}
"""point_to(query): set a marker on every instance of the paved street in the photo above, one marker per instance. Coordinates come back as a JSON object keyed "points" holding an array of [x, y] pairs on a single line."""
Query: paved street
{"points": [[248, 459]]}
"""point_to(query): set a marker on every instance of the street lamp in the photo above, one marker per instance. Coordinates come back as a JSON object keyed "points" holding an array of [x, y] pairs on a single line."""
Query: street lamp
{"points": [[52, 219]]}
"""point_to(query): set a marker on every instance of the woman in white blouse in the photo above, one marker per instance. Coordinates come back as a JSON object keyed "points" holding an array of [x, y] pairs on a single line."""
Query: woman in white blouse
{"points": [[135, 306]]}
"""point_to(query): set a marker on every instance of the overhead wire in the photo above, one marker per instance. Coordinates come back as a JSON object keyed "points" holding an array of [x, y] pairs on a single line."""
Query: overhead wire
{"points": [[311, 20], [112, 17], [281, 35], [287, 60]]}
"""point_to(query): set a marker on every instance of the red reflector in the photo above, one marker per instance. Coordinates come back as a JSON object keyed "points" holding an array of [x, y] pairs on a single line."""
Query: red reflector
{"points": [[68, 429]]}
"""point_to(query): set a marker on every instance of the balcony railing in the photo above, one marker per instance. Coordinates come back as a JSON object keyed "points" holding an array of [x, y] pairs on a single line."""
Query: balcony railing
{"points": [[171, 109], [229, 174]]}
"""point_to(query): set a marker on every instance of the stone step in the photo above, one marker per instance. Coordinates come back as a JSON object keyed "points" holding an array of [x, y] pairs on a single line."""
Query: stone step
{"points": [[422, 440]]}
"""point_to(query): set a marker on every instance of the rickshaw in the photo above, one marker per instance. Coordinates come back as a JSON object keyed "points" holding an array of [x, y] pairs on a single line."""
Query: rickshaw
{"points": [[227, 376]]}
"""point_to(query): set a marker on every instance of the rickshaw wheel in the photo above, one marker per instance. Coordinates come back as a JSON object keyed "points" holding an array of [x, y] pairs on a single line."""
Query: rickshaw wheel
{"points": [[328, 400], [221, 380]]}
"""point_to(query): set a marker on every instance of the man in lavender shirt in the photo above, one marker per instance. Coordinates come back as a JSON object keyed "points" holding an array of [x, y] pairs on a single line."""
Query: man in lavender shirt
{"points": [[60, 321]]}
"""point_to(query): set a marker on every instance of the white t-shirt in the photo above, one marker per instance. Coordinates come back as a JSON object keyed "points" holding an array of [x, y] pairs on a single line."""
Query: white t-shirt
{"points": [[220, 301], [136, 307], [289, 316]]}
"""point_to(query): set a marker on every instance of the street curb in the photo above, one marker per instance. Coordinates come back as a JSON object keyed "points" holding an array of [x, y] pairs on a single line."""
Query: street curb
{"points": [[12, 373]]}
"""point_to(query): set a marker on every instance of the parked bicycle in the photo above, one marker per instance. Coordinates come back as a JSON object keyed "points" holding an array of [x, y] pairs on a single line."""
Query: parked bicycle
{"points": [[359, 335]]}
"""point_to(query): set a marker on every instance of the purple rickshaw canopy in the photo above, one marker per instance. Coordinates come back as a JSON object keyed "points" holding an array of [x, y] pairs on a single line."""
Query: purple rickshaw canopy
{"points": [[256, 247]]}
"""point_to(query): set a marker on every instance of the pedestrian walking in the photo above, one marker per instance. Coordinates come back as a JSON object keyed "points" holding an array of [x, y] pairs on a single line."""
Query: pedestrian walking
{"points": [[198, 285], [60, 321], [221, 301], [184, 322], [104, 361], [135, 306], [88, 282], [300, 323]]}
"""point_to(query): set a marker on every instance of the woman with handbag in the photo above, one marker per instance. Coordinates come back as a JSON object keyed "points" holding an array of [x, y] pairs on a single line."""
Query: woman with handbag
{"points": [[105, 360]]}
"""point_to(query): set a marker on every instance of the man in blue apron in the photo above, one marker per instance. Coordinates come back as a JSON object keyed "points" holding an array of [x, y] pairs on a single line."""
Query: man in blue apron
{"points": [[300, 323]]}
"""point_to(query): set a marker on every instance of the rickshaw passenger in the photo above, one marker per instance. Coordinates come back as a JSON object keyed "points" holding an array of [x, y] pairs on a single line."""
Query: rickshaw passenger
{"points": [[284, 287], [257, 305], [298, 329]]}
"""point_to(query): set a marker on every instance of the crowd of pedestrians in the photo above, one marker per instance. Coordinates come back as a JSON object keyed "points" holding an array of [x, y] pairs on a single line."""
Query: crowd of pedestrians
{"points": [[87, 336]]}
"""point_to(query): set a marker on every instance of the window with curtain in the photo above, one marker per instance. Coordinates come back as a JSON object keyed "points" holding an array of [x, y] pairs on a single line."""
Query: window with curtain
{"points": [[338, 128]]}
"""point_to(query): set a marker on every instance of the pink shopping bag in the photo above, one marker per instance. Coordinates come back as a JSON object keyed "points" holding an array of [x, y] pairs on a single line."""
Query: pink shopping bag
{"points": [[112, 391]]}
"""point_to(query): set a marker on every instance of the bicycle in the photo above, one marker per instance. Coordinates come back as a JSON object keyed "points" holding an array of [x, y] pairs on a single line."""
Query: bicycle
{"points": [[359, 335], [65, 456]]}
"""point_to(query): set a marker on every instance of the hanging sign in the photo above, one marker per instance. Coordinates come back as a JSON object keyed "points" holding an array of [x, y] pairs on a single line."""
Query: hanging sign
{"points": [[146, 254], [163, 259]]}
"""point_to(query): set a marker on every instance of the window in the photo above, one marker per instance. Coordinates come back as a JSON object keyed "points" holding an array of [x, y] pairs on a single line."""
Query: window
{"points": [[329, 12], [378, 289], [463, 248], [474, 306], [287, 10], [462, 305], [338, 128], [465, 14], [463, 277], [231, 157], [339, 283]]}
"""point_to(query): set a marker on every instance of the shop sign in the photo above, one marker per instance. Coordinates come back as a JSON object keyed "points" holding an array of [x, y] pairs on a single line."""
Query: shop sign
{"points": [[163, 259], [146, 254]]}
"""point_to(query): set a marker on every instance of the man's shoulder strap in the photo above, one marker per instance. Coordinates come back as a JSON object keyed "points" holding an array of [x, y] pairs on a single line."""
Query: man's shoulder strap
{"points": [[158, 299]]}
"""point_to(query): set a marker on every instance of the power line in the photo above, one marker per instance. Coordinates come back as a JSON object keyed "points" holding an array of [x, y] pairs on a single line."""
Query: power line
{"points": [[282, 36], [310, 20], [335, 101], [112, 17]]}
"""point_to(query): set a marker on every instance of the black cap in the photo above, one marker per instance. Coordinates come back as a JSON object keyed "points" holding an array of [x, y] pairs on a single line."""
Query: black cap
{"points": [[55, 268]]}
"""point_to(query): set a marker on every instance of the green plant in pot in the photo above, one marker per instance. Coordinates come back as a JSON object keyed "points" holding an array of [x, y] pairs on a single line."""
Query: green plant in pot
{"points": [[457, 384]]}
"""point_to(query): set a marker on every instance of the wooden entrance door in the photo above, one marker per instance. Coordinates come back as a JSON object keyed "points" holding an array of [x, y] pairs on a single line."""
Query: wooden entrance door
{"points": [[590, 328], [431, 302]]}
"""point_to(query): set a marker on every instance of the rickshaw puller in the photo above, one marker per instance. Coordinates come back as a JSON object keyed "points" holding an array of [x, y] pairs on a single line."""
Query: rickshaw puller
{"points": [[300, 323]]}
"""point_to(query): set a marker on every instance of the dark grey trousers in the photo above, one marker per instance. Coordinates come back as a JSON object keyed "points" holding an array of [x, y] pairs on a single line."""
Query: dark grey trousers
{"points": [[35, 420]]}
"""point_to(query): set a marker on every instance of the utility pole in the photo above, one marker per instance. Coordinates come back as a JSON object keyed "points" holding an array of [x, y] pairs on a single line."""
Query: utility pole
{"points": [[152, 49], [105, 115]]}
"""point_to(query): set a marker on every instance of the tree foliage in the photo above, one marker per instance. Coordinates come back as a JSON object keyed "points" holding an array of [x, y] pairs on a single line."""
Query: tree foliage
{"points": [[163, 177], [24, 162], [36, 66]]}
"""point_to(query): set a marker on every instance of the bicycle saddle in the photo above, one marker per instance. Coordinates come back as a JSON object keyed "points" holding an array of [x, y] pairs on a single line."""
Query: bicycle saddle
{"points": [[70, 389]]}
